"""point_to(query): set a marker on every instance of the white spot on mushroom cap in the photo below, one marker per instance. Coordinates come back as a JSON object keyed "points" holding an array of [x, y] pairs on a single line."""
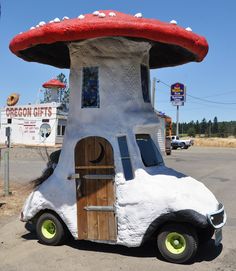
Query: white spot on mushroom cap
{"points": [[101, 15], [65, 18], [31, 28], [173, 22], [189, 29], [37, 26], [20, 33], [112, 14], [96, 13], [42, 23], [81, 16], [138, 15], [56, 20], [51, 22]]}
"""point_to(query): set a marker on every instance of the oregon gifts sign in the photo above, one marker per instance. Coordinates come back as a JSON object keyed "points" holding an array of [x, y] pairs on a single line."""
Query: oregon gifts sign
{"points": [[39, 111], [178, 94]]}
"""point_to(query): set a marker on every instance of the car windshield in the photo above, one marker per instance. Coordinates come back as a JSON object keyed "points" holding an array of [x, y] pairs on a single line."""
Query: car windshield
{"points": [[149, 153]]}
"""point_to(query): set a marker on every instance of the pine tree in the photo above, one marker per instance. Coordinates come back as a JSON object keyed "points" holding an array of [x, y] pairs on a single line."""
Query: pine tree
{"points": [[197, 127], [203, 126], [215, 126]]}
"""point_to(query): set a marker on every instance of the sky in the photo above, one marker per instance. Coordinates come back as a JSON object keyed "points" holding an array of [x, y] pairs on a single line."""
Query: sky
{"points": [[211, 80]]}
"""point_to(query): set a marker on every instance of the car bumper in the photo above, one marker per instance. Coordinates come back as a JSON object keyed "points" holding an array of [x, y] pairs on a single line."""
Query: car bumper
{"points": [[218, 218]]}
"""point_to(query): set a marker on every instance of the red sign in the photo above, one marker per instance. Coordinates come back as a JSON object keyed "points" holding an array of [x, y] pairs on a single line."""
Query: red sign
{"points": [[12, 112]]}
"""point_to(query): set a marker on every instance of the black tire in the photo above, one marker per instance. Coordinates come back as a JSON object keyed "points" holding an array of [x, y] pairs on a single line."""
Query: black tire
{"points": [[50, 230], [205, 235], [30, 226], [182, 145], [177, 243]]}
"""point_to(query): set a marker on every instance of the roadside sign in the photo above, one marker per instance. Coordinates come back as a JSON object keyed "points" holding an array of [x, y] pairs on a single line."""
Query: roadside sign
{"points": [[176, 102], [178, 94]]}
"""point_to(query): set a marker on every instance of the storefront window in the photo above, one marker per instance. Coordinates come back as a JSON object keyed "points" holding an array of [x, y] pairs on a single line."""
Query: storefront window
{"points": [[148, 150], [90, 89], [125, 158], [61, 130]]}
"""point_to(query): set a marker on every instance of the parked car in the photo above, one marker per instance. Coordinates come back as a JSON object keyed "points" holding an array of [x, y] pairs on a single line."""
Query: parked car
{"points": [[176, 142]]}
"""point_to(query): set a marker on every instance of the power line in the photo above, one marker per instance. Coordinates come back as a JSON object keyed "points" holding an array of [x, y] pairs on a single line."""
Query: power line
{"points": [[198, 98]]}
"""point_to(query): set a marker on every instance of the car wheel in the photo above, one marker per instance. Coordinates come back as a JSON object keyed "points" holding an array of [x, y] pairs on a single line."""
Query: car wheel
{"points": [[182, 145], [177, 243], [50, 230]]}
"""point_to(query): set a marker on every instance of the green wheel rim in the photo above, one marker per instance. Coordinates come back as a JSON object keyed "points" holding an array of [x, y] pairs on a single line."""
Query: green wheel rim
{"points": [[48, 229], [175, 243]]}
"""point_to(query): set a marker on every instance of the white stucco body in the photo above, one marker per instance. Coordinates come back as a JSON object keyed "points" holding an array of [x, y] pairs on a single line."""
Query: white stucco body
{"points": [[153, 191]]}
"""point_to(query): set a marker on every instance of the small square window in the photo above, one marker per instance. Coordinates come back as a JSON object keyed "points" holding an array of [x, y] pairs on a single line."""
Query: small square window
{"points": [[9, 121]]}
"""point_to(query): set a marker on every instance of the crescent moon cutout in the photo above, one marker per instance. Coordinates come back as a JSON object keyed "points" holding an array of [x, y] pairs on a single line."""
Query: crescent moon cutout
{"points": [[101, 155]]}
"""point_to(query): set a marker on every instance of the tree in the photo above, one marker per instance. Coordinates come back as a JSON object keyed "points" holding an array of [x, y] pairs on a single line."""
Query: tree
{"points": [[197, 127], [209, 128], [222, 129], [191, 132], [234, 132], [64, 94], [203, 126], [215, 127]]}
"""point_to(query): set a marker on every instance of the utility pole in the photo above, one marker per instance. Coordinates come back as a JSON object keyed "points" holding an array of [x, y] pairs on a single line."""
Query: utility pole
{"points": [[154, 80]]}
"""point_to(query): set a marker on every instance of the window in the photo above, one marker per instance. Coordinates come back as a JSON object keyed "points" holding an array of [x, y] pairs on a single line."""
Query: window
{"points": [[125, 158], [148, 150], [145, 83], [9, 121], [90, 88], [61, 130], [45, 120]]}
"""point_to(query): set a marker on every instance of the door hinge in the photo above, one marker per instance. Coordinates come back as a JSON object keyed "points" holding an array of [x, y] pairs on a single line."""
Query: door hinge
{"points": [[73, 176]]}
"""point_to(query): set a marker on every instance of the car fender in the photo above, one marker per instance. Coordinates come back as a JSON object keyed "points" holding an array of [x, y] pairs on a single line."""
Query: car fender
{"points": [[183, 216]]}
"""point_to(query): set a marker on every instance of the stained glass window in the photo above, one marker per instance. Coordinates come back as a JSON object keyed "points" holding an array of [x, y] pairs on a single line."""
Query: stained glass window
{"points": [[125, 158], [145, 83], [90, 89]]}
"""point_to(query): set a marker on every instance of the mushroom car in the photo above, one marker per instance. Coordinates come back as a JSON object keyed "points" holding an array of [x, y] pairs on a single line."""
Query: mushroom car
{"points": [[110, 184]]}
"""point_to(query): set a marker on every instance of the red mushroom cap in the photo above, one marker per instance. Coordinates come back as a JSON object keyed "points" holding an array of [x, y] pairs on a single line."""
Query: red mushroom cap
{"points": [[54, 83], [171, 45]]}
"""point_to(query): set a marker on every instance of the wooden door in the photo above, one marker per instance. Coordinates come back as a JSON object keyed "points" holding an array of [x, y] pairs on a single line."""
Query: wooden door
{"points": [[94, 162]]}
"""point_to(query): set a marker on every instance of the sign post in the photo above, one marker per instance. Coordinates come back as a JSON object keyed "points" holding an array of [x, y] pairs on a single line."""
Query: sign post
{"points": [[177, 97], [6, 163]]}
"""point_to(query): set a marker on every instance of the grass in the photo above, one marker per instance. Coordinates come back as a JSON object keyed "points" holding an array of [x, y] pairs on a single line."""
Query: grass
{"points": [[12, 204], [215, 142]]}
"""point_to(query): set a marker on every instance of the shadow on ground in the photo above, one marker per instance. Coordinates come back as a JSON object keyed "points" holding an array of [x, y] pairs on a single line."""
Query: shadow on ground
{"points": [[207, 252]]}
